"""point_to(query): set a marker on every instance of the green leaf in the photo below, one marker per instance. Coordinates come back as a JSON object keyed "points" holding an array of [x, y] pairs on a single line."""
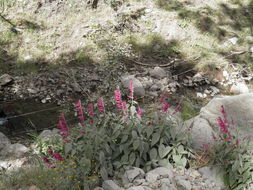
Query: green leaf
{"points": [[102, 158], [124, 139], [161, 149], [134, 135], [104, 173], [155, 138], [176, 158], [149, 131], [153, 154], [166, 151], [136, 144], [67, 148], [124, 158], [180, 149], [108, 149], [137, 162], [132, 158], [165, 163]]}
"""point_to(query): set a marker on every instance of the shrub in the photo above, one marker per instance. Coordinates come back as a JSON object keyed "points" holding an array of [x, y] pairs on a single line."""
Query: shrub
{"points": [[233, 155], [104, 142]]}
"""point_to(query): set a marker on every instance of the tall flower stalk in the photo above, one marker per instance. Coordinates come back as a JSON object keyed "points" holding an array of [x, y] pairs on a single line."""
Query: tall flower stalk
{"points": [[80, 114], [223, 124], [131, 90], [118, 99], [101, 105], [63, 126]]}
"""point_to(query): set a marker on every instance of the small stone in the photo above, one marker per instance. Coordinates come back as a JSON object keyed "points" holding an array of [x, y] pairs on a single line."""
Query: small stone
{"points": [[110, 185], [43, 101], [163, 172], [32, 91], [137, 182], [182, 184], [154, 87], [207, 91], [151, 177], [28, 57], [200, 95], [166, 181], [137, 188], [158, 73], [133, 173], [233, 40], [5, 79], [239, 88], [154, 94], [225, 74]]}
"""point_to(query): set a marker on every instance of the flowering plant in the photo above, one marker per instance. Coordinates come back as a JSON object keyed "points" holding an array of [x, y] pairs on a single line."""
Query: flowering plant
{"points": [[233, 154], [105, 142]]}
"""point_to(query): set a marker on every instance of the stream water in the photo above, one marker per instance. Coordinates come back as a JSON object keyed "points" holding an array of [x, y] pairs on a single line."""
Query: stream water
{"points": [[24, 117]]}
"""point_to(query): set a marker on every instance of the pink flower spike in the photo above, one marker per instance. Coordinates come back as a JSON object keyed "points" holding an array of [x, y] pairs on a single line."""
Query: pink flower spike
{"points": [[79, 110], [57, 156], [124, 106], [165, 107], [131, 89], [90, 110], [139, 111], [118, 100], [45, 159], [63, 126], [101, 105]]}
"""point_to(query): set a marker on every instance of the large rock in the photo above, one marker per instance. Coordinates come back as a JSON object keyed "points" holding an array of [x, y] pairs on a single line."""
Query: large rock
{"points": [[211, 174], [239, 109], [138, 87], [5, 79]]}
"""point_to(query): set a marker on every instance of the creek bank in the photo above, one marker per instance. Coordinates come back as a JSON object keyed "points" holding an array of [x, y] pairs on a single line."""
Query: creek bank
{"points": [[162, 178]]}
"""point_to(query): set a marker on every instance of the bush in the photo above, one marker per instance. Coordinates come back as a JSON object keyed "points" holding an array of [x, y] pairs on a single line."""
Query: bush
{"points": [[233, 155], [104, 142]]}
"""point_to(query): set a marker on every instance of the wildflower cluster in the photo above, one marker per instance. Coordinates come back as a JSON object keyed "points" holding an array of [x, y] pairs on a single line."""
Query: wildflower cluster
{"points": [[109, 142], [233, 154]]}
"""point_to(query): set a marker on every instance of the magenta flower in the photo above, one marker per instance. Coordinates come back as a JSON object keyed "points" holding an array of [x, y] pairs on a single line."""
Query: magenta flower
{"points": [[57, 156], [50, 151], [91, 110], [139, 111], [131, 89], [46, 160], [118, 100], [165, 107], [79, 110], [63, 126], [101, 105], [224, 125], [124, 106]]}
